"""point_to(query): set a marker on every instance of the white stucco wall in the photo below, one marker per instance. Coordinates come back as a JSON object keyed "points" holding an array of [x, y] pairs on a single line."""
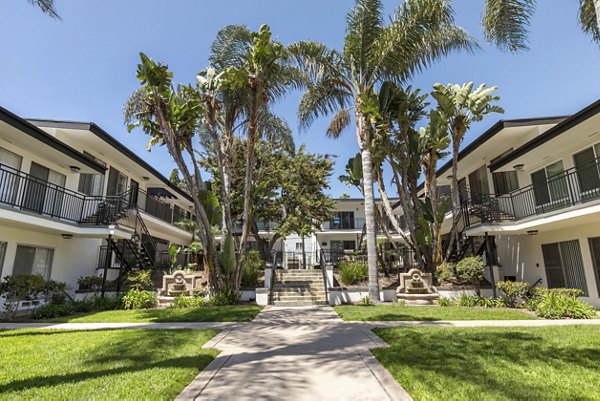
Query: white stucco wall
{"points": [[521, 255]]}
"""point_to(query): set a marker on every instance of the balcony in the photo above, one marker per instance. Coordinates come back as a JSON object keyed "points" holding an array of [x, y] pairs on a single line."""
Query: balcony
{"points": [[22, 191], [575, 186], [344, 224]]}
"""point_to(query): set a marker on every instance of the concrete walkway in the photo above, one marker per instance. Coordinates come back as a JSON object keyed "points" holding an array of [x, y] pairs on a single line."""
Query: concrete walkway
{"points": [[301, 353]]}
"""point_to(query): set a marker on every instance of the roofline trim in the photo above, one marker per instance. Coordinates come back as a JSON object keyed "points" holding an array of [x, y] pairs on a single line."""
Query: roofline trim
{"points": [[106, 137], [563, 126], [37, 133]]}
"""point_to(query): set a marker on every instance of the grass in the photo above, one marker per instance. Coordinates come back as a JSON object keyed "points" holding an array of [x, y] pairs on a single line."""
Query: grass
{"points": [[109, 364], [426, 313], [237, 313], [542, 363]]}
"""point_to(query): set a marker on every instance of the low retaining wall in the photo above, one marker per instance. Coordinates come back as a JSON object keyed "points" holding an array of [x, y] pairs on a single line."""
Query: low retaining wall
{"points": [[457, 291], [342, 295]]}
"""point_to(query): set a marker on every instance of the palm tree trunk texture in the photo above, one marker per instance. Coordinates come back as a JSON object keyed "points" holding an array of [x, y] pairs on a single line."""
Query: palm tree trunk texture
{"points": [[453, 239], [597, 7], [367, 167]]}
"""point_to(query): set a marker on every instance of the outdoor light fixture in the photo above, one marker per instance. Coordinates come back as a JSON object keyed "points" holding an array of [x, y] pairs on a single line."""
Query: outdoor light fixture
{"points": [[67, 236], [449, 176], [74, 169], [146, 178], [532, 232], [518, 167]]}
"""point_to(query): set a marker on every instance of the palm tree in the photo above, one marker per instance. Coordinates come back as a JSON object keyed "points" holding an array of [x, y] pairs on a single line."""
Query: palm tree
{"points": [[258, 71], [461, 106], [506, 22], [47, 7], [419, 33]]}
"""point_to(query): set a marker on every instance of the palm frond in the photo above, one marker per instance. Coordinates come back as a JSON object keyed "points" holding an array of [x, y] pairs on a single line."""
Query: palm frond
{"points": [[339, 122], [363, 25], [420, 33], [589, 18], [320, 100], [275, 129], [229, 46], [506, 23], [47, 7]]}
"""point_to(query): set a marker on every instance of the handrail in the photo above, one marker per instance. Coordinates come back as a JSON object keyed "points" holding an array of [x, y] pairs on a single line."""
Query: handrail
{"points": [[354, 224], [146, 240], [272, 281], [562, 190], [323, 266]]}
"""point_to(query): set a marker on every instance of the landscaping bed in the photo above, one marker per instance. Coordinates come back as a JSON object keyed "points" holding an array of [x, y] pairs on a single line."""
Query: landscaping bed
{"points": [[542, 363], [234, 313], [109, 364], [398, 312]]}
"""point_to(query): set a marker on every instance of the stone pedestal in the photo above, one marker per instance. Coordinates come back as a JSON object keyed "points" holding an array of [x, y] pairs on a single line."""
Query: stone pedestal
{"points": [[416, 288]]}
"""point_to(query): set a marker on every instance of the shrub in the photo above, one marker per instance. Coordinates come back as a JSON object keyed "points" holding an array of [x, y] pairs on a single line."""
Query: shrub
{"points": [[140, 279], [90, 283], [188, 302], [20, 288], [228, 296], [560, 303], [466, 300], [138, 299], [199, 293], [443, 301], [446, 272], [366, 301], [476, 300], [253, 264], [470, 270], [353, 272], [52, 310], [514, 291], [55, 292]]}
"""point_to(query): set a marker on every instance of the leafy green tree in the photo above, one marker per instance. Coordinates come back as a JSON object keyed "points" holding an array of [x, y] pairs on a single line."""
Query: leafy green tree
{"points": [[419, 33], [506, 22], [170, 116], [460, 106]]}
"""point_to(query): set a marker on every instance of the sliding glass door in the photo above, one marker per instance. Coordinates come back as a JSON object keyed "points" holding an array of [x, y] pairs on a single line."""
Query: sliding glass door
{"points": [[564, 265], [9, 179], [45, 191], [588, 175], [550, 187]]}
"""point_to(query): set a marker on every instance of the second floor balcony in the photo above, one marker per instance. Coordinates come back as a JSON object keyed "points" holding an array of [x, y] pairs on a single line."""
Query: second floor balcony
{"points": [[343, 223], [575, 186]]}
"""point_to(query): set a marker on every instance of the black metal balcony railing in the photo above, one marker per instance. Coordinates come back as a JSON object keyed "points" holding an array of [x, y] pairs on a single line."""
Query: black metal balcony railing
{"points": [[23, 191], [574, 186], [344, 224]]}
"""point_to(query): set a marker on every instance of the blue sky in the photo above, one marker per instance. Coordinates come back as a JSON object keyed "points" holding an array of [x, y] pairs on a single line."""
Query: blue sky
{"points": [[83, 67]]}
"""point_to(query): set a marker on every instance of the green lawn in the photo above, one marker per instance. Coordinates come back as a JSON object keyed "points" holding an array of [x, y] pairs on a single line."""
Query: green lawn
{"points": [[542, 363], [109, 364], [238, 313], [427, 313]]}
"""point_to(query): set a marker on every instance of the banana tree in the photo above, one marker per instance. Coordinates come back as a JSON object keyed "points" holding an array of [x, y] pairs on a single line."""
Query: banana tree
{"points": [[418, 34], [460, 106]]}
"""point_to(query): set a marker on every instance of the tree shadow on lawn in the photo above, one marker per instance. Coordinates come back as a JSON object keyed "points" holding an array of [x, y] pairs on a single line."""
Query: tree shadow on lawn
{"points": [[457, 360], [400, 317]]}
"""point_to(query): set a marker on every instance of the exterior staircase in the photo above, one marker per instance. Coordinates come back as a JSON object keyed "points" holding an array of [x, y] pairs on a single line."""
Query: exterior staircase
{"points": [[299, 287]]}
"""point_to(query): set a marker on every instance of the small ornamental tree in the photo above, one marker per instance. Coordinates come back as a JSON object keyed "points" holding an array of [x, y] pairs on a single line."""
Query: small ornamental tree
{"points": [[16, 289], [471, 270]]}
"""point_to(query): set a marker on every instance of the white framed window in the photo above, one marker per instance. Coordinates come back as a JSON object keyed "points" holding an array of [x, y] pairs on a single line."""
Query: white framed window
{"points": [[33, 260], [298, 246], [91, 184]]}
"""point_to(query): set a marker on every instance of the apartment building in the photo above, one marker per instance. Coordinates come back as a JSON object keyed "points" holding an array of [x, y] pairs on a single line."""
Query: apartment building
{"points": [[532, 186], [74, 201]]}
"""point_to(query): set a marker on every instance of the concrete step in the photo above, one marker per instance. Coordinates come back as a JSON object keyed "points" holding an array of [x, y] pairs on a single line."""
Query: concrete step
{"points": [[299, 303], [304, 287], [299, 293]]}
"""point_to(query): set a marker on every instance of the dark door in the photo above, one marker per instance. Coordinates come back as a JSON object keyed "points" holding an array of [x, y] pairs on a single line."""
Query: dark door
{"points": [[36, 188], [134, 188]]}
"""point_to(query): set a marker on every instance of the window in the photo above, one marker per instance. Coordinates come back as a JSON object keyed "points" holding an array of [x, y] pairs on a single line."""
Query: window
{"points": [[91, 184], [587, 170], [478, 181], [549, 185], [505, 182], [45, 192], [298, 246], [343, 245], [564, 265], [33, 260], [343, 221], [595, 250], [2, 255], [117, 182], [9, 162]]}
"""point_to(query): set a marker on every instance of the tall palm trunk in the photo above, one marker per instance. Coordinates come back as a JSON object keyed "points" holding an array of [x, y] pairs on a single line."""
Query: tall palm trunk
{"points": [[597, 7], [247, 213], [454, 239], [364, 139]]}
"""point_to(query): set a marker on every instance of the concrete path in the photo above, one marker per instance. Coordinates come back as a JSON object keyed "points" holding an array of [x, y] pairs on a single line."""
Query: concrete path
{"points": [[301, 353]]}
